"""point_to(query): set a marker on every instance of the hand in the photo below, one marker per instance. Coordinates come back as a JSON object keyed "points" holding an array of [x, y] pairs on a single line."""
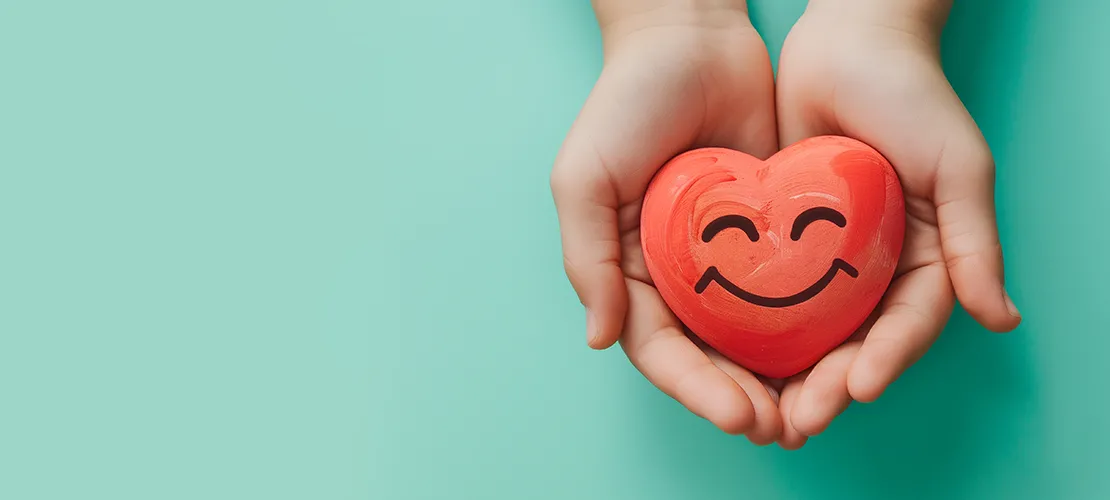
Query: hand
{"points": [[871, 70], [675, 77]]}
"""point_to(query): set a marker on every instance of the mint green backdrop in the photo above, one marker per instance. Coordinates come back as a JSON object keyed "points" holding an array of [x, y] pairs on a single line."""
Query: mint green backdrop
{"points": [[306, 250]]}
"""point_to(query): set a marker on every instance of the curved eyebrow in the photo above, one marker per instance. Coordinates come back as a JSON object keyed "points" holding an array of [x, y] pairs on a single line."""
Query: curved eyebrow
{"points": [[815, 214], [726, 221]]}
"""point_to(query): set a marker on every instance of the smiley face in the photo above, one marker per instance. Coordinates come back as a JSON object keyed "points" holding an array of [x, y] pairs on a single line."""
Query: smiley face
{"points": [[713, 275], [774, 263]]}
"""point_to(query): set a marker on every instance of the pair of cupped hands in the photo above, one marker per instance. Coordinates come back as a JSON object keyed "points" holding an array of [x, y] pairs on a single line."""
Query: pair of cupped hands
{"points": [[679, 75]]}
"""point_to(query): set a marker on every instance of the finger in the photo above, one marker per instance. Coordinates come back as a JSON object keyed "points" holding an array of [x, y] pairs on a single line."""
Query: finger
{"points": [[655, 343], [824, 394], [915, 310], [768, 423], [791, 439], [969, 233], [587, 202]]}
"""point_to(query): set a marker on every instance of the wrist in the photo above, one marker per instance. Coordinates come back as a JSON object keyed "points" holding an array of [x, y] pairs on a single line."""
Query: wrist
{"points": [[922, 18], [621, 19]]}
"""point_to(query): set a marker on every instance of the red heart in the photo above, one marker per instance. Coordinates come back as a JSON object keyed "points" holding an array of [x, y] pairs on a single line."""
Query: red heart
{"points": [[774, 263]]}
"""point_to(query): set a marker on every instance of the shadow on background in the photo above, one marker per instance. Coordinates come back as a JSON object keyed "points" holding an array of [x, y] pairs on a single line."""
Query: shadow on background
{"points": [[957, 416], [936, 431]]}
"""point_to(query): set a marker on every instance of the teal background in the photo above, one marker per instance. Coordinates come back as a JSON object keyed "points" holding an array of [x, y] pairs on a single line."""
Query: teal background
{"points": [[205, 290]]}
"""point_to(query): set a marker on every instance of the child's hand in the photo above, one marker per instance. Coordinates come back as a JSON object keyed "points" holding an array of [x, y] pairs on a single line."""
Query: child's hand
{"points": [[870, 69], [677, 75]]}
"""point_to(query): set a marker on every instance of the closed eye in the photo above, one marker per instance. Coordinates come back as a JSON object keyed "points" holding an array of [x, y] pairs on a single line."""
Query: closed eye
{"points": [[813, 215], [734, 221]]}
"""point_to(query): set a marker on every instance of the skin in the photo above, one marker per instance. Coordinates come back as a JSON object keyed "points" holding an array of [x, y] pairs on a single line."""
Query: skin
{"points": [[682, 74]]}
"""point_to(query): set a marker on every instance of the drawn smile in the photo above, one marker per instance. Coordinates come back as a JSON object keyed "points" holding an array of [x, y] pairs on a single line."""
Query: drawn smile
{"points": [[712, 275]]}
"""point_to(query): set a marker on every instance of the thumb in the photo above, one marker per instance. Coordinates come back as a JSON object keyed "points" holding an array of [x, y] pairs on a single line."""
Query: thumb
{"points": [[628, 127], [969, 233], [587, 201]]}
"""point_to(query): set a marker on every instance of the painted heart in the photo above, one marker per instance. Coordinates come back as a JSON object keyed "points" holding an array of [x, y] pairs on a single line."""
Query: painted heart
{"points": [[774, 263]]}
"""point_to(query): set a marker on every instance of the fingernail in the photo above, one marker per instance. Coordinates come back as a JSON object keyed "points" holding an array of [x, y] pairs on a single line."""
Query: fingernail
{"points": [[1010, 305], [774, 393], [591, 327]]}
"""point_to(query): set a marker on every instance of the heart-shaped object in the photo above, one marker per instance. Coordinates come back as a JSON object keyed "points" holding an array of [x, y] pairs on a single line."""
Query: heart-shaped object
{"points": [[774, 263]]}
